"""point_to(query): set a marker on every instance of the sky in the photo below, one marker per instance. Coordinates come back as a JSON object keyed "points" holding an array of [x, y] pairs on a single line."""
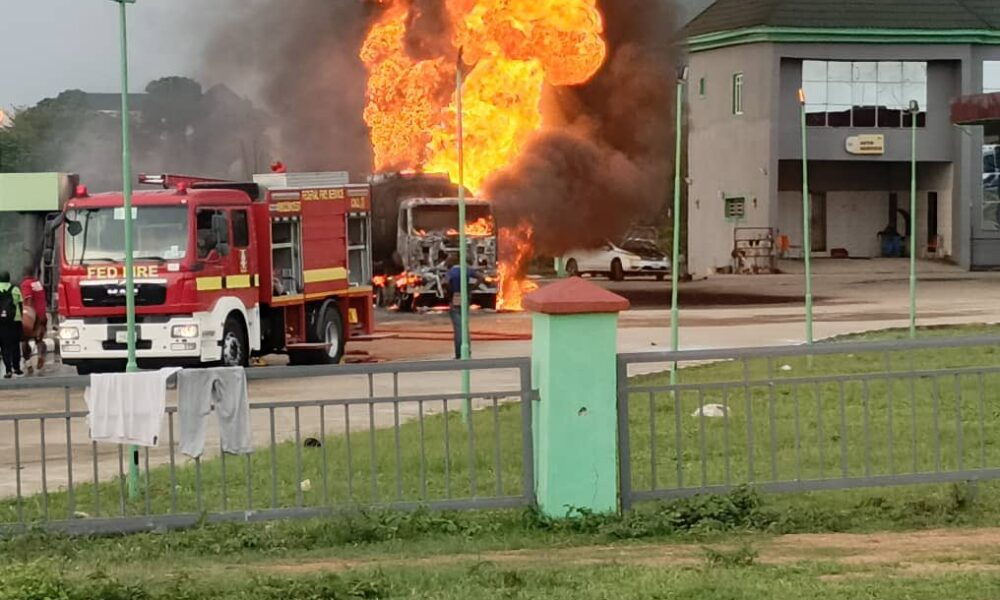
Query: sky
{"points": [[47, 46]]}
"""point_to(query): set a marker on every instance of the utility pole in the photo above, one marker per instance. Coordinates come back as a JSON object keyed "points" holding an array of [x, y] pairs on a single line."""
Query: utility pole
{"points": [[806, 222], [914, 111], [682, 75], [462, 241], [131, 366]]}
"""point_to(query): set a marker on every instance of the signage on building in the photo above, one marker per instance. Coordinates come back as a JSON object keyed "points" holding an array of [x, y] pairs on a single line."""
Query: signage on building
{"points": [[866, 145]]}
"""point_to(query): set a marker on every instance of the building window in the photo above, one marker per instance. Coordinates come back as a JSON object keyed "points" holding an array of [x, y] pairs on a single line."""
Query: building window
{"points": [[864, 94], [701, 87], [736, 209], [738, 94], [991, 76], [991, 187]]}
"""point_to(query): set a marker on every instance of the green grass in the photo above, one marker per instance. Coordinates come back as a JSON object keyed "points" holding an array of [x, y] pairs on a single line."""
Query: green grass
{"points": [[862, 425], [427, 554], [362, 469], [497, 580]]}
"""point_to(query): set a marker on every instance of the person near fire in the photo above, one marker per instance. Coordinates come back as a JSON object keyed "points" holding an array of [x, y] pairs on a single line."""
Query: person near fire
{"points": [[455, 291], [36, 320]]}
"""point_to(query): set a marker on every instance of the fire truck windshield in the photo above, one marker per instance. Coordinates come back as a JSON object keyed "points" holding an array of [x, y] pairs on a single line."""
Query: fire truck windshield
{"points": [[98, 235]]}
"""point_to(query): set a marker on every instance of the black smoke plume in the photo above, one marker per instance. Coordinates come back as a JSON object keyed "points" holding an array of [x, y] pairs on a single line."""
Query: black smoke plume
{"points": [[428, 31], [604, 166], [301, 57], [608, 165]]}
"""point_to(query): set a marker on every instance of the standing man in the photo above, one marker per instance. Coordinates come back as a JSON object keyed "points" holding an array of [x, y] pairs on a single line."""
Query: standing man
{"points": [[455, 291], [10, 326], [36, 306]]}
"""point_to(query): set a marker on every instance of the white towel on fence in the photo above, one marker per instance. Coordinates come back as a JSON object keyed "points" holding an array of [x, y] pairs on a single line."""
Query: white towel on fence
{"points": [[127, 408]]}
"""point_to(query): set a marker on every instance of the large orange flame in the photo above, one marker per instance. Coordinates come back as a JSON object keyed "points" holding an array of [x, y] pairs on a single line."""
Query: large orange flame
{"points": [[512, 50], [513, 283]]}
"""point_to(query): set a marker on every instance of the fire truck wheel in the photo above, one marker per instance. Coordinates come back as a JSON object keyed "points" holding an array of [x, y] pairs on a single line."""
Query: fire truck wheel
{"points": [[617, 271], [84, 369], [332, 328], [235, 347]]}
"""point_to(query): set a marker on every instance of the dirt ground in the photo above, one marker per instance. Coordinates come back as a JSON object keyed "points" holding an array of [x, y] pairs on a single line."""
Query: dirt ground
{"points": [[860, 555]]}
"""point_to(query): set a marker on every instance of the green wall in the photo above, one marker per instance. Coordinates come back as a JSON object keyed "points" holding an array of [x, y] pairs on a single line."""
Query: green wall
{"points": [[28, 192]]}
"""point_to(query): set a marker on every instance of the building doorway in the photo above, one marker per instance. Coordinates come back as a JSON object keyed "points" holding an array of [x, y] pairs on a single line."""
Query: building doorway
{"points": [[817, 222], [933, 235]]}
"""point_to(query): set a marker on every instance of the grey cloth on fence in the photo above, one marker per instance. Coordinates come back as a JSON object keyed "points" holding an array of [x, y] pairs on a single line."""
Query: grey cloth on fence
{"points": [[224, 390]]}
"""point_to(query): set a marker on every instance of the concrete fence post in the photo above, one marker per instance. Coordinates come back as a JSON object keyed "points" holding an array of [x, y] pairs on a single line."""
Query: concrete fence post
{"points": [[575, 428]]}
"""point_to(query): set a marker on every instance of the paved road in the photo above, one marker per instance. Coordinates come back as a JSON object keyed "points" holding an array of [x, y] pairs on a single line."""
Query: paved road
{"points": [[855, 296]]}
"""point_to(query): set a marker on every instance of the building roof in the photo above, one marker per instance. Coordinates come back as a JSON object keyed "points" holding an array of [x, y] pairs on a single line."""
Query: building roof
{"points": [[931, 15]]}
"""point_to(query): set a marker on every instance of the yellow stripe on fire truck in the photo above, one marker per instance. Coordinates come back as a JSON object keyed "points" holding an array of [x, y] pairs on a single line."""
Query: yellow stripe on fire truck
{"points": [[238, 282], [209, 284], [325, 275], [232, 282]]}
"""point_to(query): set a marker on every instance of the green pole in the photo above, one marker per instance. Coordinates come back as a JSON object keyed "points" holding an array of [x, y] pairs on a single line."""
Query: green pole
{"points": [[131, 366], [914, 109], [560, 268], [462, 243], [675, 255], [806, 223]]}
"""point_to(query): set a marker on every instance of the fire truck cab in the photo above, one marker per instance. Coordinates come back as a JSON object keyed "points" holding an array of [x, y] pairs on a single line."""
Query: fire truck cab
{"points": [[223, 271]]}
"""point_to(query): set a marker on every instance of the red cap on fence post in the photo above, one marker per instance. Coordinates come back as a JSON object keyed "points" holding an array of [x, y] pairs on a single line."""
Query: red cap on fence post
{"points": [[574, 296]]}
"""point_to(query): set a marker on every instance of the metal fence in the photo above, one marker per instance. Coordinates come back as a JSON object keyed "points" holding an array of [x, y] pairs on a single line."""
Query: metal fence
{"points": [[328, 438], [833, 416]]}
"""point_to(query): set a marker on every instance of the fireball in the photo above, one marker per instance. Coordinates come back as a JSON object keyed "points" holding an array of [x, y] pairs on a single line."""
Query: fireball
{"points": [[511, 49]]}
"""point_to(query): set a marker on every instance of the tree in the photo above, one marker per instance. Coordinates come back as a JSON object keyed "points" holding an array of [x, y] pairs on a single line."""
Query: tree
{"points": [[40, 137], [176, 128]]}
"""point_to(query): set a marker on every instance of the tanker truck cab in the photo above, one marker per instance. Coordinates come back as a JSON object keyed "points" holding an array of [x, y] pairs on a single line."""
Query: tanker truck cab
{"points": [[195, 276], [223, 271]]}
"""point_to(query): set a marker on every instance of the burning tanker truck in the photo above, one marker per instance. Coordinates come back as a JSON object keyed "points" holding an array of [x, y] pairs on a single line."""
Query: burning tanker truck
{"points": [[414, 232]]}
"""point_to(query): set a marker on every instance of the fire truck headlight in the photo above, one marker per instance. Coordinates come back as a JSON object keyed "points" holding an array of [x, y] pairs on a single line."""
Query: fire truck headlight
{"points": [[69, 333], [184, 331]]}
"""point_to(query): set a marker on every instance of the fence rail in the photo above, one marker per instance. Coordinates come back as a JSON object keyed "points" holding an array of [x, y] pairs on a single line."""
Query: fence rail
{"points": [[371, 435], [831, 416]]}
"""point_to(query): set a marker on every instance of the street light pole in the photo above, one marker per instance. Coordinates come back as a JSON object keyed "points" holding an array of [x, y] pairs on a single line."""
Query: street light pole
{"points": [[914, 110], [466, 350], [806, 222], [682, 76], [131, 366]]}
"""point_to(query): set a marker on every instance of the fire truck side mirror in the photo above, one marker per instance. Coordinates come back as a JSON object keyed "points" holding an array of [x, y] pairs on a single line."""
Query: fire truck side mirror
{"points": [[74, 228]]}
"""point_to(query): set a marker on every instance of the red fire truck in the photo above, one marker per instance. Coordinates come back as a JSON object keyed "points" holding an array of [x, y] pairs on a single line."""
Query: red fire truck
{"points": [[223, 271]]}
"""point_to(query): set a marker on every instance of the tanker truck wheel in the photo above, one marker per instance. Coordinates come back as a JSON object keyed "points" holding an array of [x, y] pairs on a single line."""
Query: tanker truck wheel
{"points": [[407, 303]]}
